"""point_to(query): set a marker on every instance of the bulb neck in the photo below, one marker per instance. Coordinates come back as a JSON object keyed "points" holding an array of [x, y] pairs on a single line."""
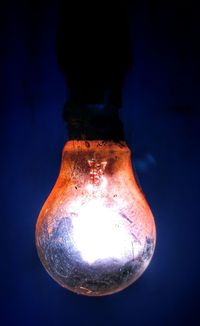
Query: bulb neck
{"points": [[92, 122], [83, 160], [103, 147]]}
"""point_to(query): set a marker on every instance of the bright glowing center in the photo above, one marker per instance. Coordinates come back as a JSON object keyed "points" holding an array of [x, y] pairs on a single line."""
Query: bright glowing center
{"points": [[99, 233]]}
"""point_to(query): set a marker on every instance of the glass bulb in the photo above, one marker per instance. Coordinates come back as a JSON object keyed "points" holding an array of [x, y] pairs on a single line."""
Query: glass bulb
{"points": [[95, 234]]}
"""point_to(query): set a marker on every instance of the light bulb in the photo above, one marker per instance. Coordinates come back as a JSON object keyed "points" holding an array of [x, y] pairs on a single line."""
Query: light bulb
{"points": [[95, 234]]}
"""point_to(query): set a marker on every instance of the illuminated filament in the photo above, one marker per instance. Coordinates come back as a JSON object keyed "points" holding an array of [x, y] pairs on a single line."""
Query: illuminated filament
{"points": [[96, 171]]}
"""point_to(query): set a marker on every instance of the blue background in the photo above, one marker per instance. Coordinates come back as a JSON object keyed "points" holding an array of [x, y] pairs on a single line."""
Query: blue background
{"points": [[161, 119]]}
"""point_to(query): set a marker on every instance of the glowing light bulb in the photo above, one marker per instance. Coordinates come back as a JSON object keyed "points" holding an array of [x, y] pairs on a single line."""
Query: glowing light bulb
{"points": [[95, 234]]}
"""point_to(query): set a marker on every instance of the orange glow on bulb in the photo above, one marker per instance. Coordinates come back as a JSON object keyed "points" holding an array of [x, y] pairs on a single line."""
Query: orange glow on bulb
{"points": [[95, 234]]}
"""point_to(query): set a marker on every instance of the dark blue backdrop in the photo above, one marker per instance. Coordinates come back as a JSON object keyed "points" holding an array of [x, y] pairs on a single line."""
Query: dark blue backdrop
{"points": [[161, 121]]}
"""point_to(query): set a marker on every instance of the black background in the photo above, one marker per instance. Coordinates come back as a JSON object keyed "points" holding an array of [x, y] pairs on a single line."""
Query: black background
{"points": [[161, 119]]}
